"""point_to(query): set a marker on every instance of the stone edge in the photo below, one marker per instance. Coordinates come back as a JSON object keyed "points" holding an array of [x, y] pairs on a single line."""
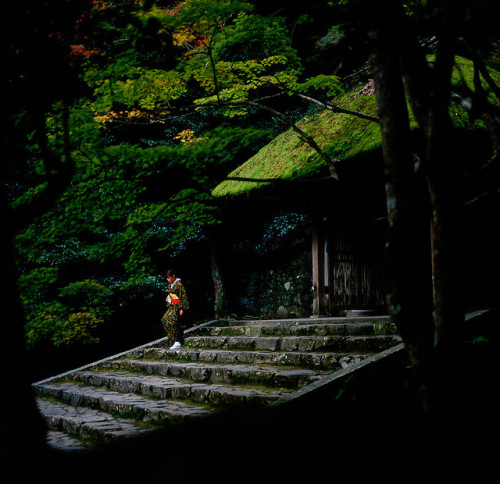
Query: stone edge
{"points": [[119, 355], [340, 375]]}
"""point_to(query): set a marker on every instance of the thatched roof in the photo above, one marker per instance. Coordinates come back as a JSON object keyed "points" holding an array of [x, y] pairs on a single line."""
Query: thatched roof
{"points": [[341, 136]]}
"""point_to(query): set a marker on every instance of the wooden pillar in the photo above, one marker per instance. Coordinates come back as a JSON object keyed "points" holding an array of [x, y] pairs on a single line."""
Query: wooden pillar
{"points": [[318, 269]]}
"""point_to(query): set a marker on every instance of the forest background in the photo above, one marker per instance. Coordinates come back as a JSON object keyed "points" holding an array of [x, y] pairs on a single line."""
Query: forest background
{"points": [[121, 117]]}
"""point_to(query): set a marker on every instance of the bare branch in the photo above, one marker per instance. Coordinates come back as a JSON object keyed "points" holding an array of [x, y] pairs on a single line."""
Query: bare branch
{"points": [[482, 197], [212, 62], [306, 137], [336, 109]]}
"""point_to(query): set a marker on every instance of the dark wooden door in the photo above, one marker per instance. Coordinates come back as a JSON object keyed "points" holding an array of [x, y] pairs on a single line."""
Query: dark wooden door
{"points": [[354, 280]]}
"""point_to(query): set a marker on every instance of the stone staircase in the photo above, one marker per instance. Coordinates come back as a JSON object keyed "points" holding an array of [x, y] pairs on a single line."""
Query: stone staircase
{"points": [[223, 365]]}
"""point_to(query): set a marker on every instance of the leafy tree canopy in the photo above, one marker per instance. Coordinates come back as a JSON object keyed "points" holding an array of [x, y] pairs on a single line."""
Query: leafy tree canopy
{"points": [[144, 151]]}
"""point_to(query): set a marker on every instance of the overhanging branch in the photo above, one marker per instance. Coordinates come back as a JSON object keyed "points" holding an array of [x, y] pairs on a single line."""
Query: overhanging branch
{"points": [[336, 109]]}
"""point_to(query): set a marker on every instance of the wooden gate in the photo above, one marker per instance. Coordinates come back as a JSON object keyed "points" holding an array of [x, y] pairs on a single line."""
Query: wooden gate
{"points": [[353, 273], [346, 269]]}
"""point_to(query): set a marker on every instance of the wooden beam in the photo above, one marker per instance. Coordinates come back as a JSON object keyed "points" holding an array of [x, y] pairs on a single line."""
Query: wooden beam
{"points": [[318, 269]]}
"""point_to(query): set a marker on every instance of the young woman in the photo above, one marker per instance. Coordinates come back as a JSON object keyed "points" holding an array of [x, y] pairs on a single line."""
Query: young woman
{"points": [[177, 303]]}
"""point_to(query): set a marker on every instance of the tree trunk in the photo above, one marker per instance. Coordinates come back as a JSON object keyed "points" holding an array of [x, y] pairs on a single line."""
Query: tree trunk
{"points": [[408, 293], [429, 93], [220, 299]]}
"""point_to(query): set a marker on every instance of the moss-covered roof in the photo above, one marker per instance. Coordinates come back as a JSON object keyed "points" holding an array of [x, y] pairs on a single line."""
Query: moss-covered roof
{"points": [[341, 136]]}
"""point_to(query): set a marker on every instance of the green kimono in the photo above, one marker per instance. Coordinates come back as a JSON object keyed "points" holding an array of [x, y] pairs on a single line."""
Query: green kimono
{"points": [[176, 300]]}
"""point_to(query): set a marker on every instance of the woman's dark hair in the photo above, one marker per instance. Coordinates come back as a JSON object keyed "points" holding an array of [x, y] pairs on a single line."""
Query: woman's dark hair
{"points": [[170, 273]]}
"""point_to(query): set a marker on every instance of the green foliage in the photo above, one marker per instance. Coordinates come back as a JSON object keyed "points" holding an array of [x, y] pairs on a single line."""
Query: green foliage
{"points": [[208, 12], [34, 285], [329, 86], [140, 190], [143, 89], [79, 308]]}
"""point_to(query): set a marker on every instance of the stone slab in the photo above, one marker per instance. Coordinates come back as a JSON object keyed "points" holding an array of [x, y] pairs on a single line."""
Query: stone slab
{"points": [[165, 387]]}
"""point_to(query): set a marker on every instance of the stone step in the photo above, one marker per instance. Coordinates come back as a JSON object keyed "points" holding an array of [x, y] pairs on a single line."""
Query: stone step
{"points": [[317, 361], [65, 420], [129, 405], [311, 329], [63, 442], [304, 321], [218, 373], [217, 395], [342, 344], [231, 365]]}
